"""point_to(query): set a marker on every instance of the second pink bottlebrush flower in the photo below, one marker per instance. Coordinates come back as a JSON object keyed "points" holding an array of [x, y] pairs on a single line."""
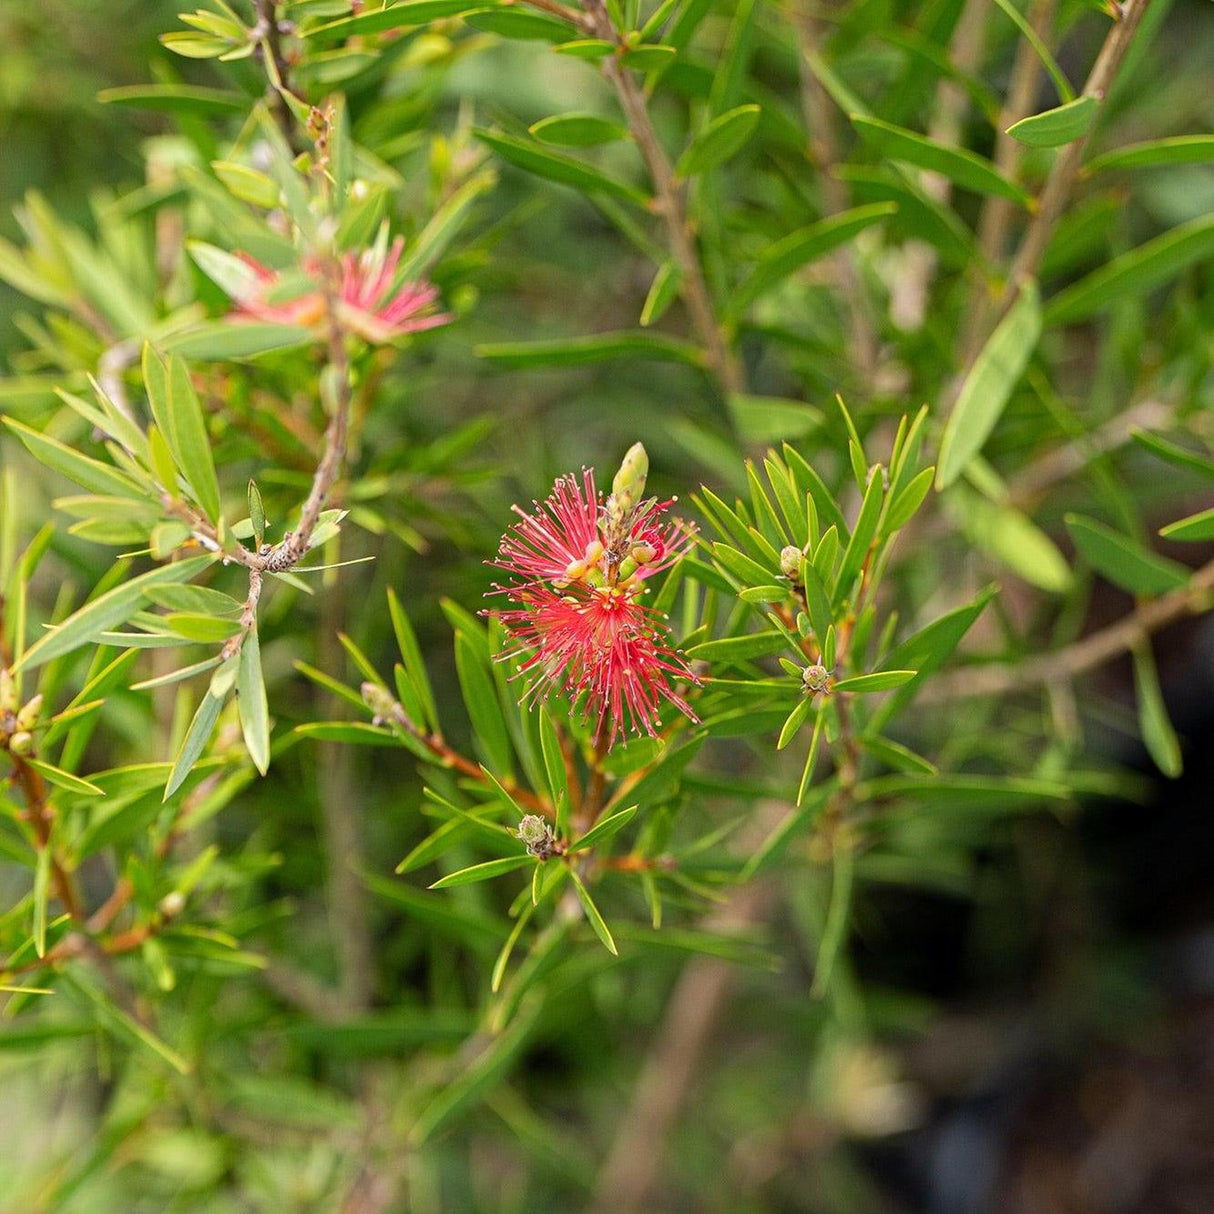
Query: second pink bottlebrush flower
{"points": [[578, 567], [369, 301]]}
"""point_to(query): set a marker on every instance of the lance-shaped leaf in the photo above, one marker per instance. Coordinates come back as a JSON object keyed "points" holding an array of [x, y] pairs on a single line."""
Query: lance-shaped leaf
{"points": [[1052, 128], [798, 249], [201, 728], [878, 680], [1177, 149], [537, 159], [967, 169], [603, 830], [89, 473], [483, 708], [1123, 560], [1194, 527], [593, 917], [989, 385], [577, 130], [188, 439], [483, 872], [719, 140], [1135, 272], [597, 347], [105, 612], [252, 703], [1157, 732]]}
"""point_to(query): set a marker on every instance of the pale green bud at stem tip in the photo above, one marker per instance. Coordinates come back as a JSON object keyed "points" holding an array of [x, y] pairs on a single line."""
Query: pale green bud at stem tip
{"points": [[629, 485], [27, 718], [537, 835], [21, 743], [790, 562], [816, 679]]}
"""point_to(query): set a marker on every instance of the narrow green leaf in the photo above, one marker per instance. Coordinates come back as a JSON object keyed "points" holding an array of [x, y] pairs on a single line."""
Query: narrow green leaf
{"points": [[1182, 457], [1157, 732], [662, 292], [64, 779], [961, 166], [879, 680], [1052, 128], [235, 277], [988, 386], [796, 718], [1135, 272], [1177, 149], [798, 249], [737, 649], [537, 159], [483, 708], [503, 958], [483, 872], [89, 473], [837, 916], [252, 703], [188, 438], [197, 736], [1194, 527], [905, 505], [554, 768], [1123, 560], [577, 130], [41, 895], [862, 534], [606, 828], [595, 919], [106, 612], [724, 136], [518, 24], [221, 339]]}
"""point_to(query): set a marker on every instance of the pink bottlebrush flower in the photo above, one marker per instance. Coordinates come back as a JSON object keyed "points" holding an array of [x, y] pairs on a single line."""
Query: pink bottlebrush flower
{"points": [[579, 567], [368, 303]]}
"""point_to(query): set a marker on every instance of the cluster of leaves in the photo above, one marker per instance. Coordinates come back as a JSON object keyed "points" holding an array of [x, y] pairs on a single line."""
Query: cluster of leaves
{"points": [[753, 208]]}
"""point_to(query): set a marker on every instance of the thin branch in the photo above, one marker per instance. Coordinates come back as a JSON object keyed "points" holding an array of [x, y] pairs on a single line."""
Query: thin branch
{"points": [[819, 112], [1065, 169], [1068, 663], [670, 203], [997, 213]]}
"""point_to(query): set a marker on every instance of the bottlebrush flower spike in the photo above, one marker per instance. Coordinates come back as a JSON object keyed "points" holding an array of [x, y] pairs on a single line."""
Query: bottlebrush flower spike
{"points": [[368, 302], [578, 567]]}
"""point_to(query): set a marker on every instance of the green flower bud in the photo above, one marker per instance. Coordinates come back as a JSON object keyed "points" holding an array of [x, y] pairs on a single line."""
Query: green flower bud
{"points": [[790, 562], [21, 743], [816, 679], [27, 718], [537, 835], [629, 485]]}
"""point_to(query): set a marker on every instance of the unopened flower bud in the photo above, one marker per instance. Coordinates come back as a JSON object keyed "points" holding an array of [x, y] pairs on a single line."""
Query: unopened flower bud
{"points": [[27, 718], [790, 562], [21, 743], [379, 701], [536, 834], [629, 485], [644, 554], [816, 679], [172, 904]]}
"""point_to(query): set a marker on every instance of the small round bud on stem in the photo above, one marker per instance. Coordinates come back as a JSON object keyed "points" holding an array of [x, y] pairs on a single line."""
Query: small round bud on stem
{"points": [[537, 835], [790, 562], [21, 743], [172, 904], [815, 679]]}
